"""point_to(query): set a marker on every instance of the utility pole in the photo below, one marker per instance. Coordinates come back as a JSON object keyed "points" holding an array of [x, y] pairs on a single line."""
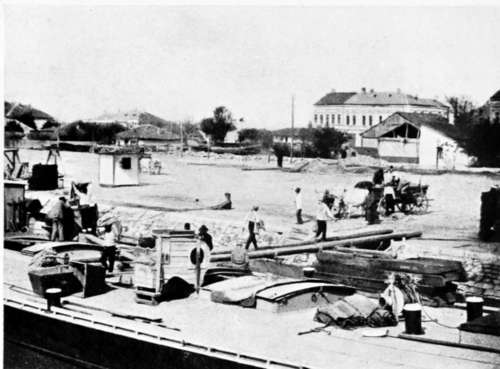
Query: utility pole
{"points": [[182, 140], [293, 118]]}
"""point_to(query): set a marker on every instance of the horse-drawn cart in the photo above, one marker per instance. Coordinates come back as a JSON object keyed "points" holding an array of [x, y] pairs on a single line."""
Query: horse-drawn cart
{"points": [[406, 197]]}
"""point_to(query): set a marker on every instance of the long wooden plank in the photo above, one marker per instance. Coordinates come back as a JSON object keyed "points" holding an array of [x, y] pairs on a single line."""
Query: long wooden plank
{"points": [[317, 247]]}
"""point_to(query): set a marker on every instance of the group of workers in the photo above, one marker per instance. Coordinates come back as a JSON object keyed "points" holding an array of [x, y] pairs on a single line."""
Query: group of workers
{"points": [[253, 221]]}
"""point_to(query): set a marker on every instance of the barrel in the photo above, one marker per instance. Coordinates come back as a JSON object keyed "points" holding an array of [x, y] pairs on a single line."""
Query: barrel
{"points": [[474, 307], [413, 318], [53, 296]]}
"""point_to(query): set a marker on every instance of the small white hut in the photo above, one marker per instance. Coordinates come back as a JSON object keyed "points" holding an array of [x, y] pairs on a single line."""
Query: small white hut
{"points": [[119, 166]]}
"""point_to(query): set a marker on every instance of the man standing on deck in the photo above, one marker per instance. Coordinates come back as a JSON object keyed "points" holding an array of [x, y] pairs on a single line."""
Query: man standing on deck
{"points": [[205, 236], [109, 250], [252, 219], [298, 205], [56, 214], [322, 215]]}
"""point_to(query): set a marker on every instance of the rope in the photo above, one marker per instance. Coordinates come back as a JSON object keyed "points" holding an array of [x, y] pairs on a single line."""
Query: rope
{"points": [[436, 321]]}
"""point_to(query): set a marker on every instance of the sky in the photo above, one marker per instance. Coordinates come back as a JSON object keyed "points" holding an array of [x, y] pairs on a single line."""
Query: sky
{"points": [[76, 62]]}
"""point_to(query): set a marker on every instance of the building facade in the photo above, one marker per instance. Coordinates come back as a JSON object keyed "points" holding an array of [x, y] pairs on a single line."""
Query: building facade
{"points": [[355, 112], [427, 140], [491, 110]]}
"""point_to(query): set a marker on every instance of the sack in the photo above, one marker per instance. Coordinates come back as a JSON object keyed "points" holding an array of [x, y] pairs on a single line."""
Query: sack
{"points": [[381, 318]]}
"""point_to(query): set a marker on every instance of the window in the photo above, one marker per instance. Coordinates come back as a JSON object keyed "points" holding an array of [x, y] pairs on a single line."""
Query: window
{"points": [[315, 118], [380, 118], [353, 120], [338, 119], [364, 120], [321, 119], [333, 119], [370, 119], [347, 119], [126, 163], [327, 119]]}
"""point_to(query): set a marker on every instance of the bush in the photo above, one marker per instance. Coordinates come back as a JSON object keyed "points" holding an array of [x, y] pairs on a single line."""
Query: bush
{"points": [[482, 142], [327, 140], [104, 133], [262, 136]]}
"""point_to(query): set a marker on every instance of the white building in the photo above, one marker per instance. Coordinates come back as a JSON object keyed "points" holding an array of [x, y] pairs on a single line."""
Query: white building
{"points": [[354, 112], [427, 140]]}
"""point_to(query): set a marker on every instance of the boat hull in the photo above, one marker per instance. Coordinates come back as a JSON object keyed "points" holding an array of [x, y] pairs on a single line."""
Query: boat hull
{"points": [[88, 347]]}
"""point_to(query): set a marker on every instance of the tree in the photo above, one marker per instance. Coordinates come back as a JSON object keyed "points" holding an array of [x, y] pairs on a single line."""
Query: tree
{"points": [[219, 125], [249, 134], [482, 141], [463, 111], [325, 140]]}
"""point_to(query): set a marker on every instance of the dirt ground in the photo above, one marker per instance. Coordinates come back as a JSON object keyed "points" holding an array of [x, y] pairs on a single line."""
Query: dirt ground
{"points": [[453, 213]]}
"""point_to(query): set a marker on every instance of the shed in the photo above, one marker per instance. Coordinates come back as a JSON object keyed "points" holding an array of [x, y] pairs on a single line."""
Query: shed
{"points": [[119, 166], [418, 138]]}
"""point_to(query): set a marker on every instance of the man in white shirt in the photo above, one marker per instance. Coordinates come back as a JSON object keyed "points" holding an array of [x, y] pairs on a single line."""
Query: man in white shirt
{"points": [[298, 205], [322, 215], [252, 219]]}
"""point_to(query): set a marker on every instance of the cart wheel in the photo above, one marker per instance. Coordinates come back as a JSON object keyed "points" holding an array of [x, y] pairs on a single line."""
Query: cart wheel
{"points": [[405, 207], [421, 203]]}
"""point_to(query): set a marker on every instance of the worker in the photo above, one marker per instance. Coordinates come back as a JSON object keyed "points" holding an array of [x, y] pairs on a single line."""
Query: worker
{"points": [[253, 220], [298, 205], [56, 215], [81, 191], [323, 212], [371, 207], [109, 248], [328, 199], [187, 226], [205, 236], [225, 205]]}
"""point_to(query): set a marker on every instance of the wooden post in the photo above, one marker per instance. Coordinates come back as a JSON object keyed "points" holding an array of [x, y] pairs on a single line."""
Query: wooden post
{"points": [[293, 118], [198, 268]]}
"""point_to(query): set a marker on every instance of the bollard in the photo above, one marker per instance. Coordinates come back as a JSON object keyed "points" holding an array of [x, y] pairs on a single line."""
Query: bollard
{"points": [[474, 307], [53, 296], [308, 272], [413, 319]]}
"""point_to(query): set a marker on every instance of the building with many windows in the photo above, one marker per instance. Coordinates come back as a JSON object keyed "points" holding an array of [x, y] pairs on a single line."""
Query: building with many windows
{"points": [[355, 112]]}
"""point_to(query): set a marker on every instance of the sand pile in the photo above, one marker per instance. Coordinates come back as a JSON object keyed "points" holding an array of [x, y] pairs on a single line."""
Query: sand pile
{"points": [[141, 223], [318, 166], [364, 160]]}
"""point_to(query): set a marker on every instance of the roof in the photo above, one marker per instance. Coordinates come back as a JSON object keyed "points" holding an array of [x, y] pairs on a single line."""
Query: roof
{"points": [[433, 121], [376, 98], [335, 98], [132, 116], [24, 113], [148, 132], [496, 96]]}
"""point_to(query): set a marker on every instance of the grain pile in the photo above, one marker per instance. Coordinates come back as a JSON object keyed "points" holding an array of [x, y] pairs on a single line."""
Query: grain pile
{"points": [[483, 277]]}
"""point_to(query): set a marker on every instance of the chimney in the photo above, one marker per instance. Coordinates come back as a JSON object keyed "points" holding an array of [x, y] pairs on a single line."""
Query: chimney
{"points": [[363, 90]]}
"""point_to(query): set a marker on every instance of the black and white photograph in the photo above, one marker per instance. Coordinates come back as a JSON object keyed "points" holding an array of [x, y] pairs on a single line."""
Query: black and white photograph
{"points": [[246, 185]]}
